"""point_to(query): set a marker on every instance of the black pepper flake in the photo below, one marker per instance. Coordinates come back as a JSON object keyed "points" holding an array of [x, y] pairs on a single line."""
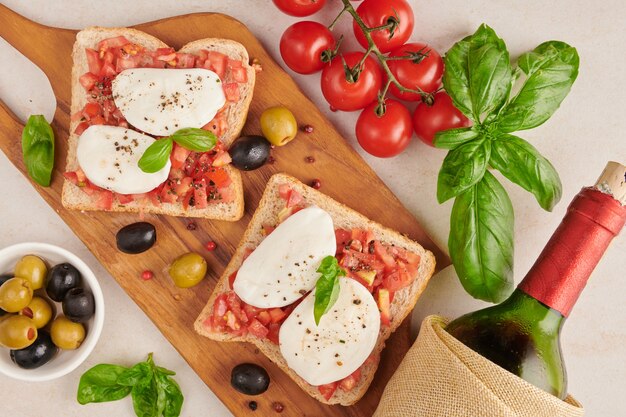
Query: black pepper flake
{"points": [[253, 405], [356, 301]]}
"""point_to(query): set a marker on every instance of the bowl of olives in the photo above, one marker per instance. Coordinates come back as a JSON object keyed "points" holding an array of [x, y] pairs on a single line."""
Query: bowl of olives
{"points": [[51, 311]]}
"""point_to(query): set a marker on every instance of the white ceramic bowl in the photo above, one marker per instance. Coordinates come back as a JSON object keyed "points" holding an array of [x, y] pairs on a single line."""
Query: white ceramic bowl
{"points": [[65, 361]]}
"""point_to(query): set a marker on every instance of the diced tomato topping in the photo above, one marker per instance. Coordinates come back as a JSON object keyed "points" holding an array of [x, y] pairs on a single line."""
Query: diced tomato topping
{"points": [[232, 321], [108, 70], [381, 251], [240, 74], [97, 120], [222, 159], [81, 128], [91, 109], [327, 390], [200, 194], [168, 194], [272, 335], [234, 63], [93, 61], [277, 315], [218, 178], [104, 200], [384, 306], [154, 197], [126, 63], [264, 317], [295, 198], [185, 60], [125, 198], [115, 42], [234, 305], [257, 329], [231, 91], [220, 306], [350, 381], [183, 186], [88, 80], [218, 125], [216, 62]]}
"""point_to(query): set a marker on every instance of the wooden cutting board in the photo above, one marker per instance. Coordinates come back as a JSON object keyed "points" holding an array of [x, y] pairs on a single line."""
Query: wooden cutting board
{"points": [[343, 174]]}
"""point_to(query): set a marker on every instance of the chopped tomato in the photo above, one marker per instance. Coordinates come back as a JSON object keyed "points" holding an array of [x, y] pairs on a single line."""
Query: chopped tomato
{"points": [[93, 61], [232, 321], [216, 62], [234, 63], [384, 306], [81, 128], [126, 63], [220, 306], [381, 251], [218, 178], [88, 80], [251, 311], [277, 315], [231, 91], [231, 279], [217, 126], [327, 390], [295, 198], [264, 317], [154, 197], [104, 200], [240, 74], [168, 195], [343, 237], [183, 186], [398, 278], [108, 70], [97, 120], [115, 42], [91, 110], [234, 305], [199, 194], [185, 60], [222, 159], [125, 198], [272, 335], [257, 329], [350, 381]]}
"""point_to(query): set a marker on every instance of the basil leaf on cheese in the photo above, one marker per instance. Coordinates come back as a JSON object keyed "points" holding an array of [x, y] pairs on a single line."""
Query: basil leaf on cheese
{"points": [[327, 286], [156, 156], [198, 140]]}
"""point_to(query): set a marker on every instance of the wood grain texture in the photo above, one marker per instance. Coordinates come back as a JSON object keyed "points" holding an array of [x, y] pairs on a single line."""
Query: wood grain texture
{"points": [[344, 175]]}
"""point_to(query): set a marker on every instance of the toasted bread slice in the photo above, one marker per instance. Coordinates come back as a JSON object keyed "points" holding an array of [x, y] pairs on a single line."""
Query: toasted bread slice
{"points": [[73, 198], [343, 217]]}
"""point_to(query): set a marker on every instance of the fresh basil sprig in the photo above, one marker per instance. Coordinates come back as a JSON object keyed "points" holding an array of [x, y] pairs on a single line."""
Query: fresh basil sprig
{"points": [[483, 85], [156, 155], [327, 286], [152, 389], [38, 149]]}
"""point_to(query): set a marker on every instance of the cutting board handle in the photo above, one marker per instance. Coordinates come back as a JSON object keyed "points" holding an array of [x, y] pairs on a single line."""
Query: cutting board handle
{"points": [[36, 41]]}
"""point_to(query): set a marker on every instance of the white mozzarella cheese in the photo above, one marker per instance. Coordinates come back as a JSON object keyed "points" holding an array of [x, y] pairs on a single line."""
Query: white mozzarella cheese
{"points": [[341, 343], [283, 267], [161, 101], [108, 155]]}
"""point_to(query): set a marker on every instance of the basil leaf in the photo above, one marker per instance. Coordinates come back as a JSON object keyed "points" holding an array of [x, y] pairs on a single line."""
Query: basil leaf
{"points": [[481, 240], [198, 140], [522, 164], [99, 384], [165, 371], [451, 138], [38, 149], [327, 287], [173, 395], [456, 77], [156, 156], [140, 373], [489, 70], [145, 398], [463, 167], [551, 69]]}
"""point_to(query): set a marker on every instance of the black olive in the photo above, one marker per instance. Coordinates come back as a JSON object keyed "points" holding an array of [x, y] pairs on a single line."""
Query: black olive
{"points": [[136, 238], [37, 354], [62, 278], [250, 152], [249, 379], [78, 305]]}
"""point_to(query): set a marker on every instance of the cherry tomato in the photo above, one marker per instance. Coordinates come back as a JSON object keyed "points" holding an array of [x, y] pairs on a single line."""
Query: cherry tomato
{"points": [[424, 75], [346, 95], [387, 135], [377, 13], [299, 7], [302, 44], [441, 115]]}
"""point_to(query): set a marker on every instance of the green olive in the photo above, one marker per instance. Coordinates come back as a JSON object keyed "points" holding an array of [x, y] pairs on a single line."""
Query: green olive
{"points": [[66, 334], [17, 332], [33, 269], [39, 310], [15, 294], [278, 125], [188, 270]]}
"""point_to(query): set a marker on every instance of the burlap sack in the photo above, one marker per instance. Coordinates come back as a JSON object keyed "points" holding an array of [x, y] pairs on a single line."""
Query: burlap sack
{"points": [[441, 377]]}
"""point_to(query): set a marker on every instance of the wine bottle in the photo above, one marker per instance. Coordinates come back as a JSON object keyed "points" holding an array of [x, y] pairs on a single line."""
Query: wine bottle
{"points": [[522, 333]]}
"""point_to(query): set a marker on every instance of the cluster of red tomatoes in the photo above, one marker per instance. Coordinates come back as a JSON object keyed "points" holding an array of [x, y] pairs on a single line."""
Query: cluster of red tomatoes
{"points": [[350, 81]]}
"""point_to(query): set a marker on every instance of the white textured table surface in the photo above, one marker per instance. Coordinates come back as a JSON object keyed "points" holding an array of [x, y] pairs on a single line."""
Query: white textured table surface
{"points": [[588, 130]]}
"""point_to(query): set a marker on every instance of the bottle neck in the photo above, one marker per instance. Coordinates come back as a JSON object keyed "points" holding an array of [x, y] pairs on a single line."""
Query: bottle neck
{"points": [[561, 272]]}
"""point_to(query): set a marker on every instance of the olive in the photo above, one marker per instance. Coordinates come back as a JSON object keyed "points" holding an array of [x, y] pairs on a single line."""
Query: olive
{"points": [[62, 278], [39, 310], [37, 354], [250, 152], [17, 332], [15, 294], [136, 237], [66, 334], [278, 125], [33, 269], [249, 379], [188, 270], [5, 277], [79, 305]]}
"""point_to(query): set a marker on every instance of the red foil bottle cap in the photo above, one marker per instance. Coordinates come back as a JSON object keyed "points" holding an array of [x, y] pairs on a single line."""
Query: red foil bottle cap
{"points": [[560, 273]]}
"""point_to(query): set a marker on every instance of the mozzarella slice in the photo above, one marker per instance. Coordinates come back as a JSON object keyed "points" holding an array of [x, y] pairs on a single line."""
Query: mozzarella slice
{"points": [[283, 267], [341, 343], [108, 155], [161, 101]]}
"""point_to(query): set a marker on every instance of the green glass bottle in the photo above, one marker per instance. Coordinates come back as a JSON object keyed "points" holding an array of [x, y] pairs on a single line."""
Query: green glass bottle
{"points": [[522, 334]]}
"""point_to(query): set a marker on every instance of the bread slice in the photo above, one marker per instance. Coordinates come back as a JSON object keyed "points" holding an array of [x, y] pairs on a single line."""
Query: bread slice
{"points": [[343, 217], [73, 198]]}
